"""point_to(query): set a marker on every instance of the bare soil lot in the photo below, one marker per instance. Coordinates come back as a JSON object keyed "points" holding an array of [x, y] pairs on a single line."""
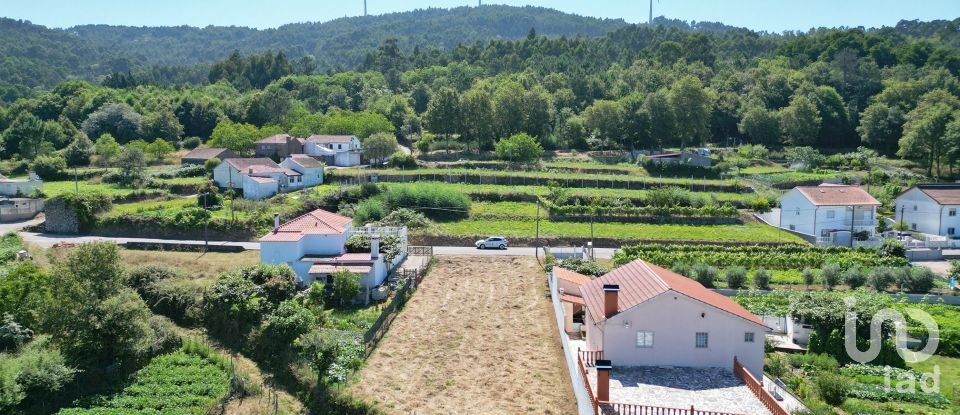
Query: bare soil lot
{"points": [[476, 338]]}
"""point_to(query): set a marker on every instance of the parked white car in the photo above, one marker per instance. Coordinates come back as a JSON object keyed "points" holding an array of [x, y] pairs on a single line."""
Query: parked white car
{"points": [[494, 242]]}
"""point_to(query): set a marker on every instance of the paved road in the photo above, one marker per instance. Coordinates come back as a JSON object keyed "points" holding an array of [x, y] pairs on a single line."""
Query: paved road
{"points": [[48, 240]]}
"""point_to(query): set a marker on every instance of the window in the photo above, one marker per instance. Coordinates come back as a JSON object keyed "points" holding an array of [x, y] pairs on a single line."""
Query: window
{"points": [[831, 214], [913, 226], [703, 340], [339, 146], [645, 339], [798, 211], [914, 208], [951, 231], [953, 212], [793, 227], [748, 337]]}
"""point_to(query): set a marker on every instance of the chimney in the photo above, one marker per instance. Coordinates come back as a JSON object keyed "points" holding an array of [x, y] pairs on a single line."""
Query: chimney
{"points": [[374, 246], [603, 380], [276, 222], [610, 294]]}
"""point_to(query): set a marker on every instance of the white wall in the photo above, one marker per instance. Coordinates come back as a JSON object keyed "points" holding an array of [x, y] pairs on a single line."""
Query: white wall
{"points": [[311, 176], [255, 190], [928, 216], [224, 174], [20, 187], [797, 211], [805, 217], [675, 337]]}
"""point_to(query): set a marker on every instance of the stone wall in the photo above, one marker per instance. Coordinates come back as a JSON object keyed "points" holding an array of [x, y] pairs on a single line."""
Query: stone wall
{"points": [[60, 218]]}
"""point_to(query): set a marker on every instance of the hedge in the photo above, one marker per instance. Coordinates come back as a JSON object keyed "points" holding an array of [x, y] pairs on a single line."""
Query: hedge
{"points": [[755, 256]]}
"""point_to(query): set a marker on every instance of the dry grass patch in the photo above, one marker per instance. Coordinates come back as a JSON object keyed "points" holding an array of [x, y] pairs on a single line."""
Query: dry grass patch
{"points": [[202, 267], [477, 338]]}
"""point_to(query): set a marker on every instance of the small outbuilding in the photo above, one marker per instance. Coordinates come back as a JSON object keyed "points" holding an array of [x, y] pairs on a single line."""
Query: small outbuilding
{"points": [[200, 155]]}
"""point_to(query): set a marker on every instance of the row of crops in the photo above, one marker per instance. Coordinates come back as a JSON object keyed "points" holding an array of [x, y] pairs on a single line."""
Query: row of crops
{"points": [[191, 381], [756, 256]]}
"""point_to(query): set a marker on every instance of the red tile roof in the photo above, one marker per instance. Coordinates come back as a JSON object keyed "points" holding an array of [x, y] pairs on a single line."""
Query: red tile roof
{"points": [[567, 275], [244, 164], [837, 195], [944, 194], [330, 269], [571, 299], [316, 222], [640, 281]]}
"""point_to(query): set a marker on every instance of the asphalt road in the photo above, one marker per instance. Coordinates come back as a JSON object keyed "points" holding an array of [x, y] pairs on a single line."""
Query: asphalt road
{"points": [[48, 240]]}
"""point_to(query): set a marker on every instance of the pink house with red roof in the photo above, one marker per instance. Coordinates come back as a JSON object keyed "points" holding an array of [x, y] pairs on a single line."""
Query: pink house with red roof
{"points": [[313, 245], [644, 315]]}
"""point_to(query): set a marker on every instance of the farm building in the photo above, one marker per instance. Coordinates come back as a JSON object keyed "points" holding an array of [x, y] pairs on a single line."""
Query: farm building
{"points": [[314, 245], [832, 214], [20, 187], [259, 178], [644, 315], [336, 150], [930, 209], [279, 146], [200, 155]]}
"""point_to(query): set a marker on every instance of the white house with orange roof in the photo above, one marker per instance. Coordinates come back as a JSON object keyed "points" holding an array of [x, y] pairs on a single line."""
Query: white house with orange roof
{"points": [[314, 246], [644, 315], [831, 214]]}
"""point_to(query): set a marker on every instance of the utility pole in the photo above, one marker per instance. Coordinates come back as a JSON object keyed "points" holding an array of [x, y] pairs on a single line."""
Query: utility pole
{"points": [[76, 180], [536, 245], [365, 7], [206, 241], [650, 21]]}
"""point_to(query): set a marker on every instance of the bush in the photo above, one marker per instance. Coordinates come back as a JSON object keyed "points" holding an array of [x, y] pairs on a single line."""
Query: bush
{"points": [[915, 279], [401, 160], [760, 205], [892, 248], [830, 274], [434, 202], [519, 148], [832, 388], [367, 211], [141, 277], [86, 205], [881, 278], [346, 286], [49, 167], [583, 266], [761, 279], [809, 276], [368, 190], [855, 277], [682, 269], [816, 362], [405, 217], [191, 143], [736, 277], [211, 164], [704, 274], [672, 197]]}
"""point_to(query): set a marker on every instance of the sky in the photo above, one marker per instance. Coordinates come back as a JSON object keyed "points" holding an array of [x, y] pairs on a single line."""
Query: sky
{"points": [[768, 15]]}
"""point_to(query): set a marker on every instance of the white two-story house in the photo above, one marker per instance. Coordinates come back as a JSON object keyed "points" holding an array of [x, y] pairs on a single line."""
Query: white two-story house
{"points": [[838, 215], [310, 169], [931, 209], [314, 246], [336, 150]]}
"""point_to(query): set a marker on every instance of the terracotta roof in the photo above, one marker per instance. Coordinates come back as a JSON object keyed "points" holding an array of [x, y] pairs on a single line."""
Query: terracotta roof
{"points": [[244, 164], [837, 195], [944, 194], [204, 153], [276, 139], [330, 138], [571, 299], [640, 281], [305, 161], [567, 275], [316, 222]]}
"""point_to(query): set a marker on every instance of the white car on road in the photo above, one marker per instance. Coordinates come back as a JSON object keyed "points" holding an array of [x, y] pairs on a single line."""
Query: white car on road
{"points": [[494, 242]]}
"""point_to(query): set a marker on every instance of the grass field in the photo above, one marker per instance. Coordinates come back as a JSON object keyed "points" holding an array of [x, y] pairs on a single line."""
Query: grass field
{"points": [[53, 189], [200, 268], [472, 341], [636, 231], [583, 192], [516, 176]]}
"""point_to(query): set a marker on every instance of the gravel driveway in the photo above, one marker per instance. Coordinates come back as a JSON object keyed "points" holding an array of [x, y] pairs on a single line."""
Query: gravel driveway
{"points": [[706, 389]]}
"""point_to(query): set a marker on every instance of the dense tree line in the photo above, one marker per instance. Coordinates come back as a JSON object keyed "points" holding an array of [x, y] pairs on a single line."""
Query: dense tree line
{"points": [[640, 87]]}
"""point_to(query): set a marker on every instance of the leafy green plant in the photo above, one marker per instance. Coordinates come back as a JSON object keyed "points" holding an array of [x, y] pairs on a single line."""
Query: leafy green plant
{"points": [[833, 389], [761, 279], [704, 274], [830, 275], [736, 277]]}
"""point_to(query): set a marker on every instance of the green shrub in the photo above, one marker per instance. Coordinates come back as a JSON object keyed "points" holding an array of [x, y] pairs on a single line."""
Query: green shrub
{"points": [[191, 143], [830, 275], [86, 205], [761, 279], [405, 217], [832, 388], [401, 160], [736, 277], [583, 266], [367, 211], [855, 277], [760, 205], [141, 277], [672, 197], [881, 278], [813, 362], [892, 248], [369, 189], [519, 148], [49, 167], [704, 274], [682, 269], [434, 202], [809, 276], [346, 286], [915, 279]]}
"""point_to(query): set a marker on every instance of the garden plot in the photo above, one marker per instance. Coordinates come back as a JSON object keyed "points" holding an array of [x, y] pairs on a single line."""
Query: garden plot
{"points": [[476, 338]]}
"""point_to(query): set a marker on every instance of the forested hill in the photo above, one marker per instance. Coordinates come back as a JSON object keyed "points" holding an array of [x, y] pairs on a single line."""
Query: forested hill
{"points": [[32, 55]]}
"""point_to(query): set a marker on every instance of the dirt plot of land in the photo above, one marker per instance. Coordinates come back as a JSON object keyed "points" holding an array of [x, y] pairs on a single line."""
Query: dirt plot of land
{"points": [[476, 338]]}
